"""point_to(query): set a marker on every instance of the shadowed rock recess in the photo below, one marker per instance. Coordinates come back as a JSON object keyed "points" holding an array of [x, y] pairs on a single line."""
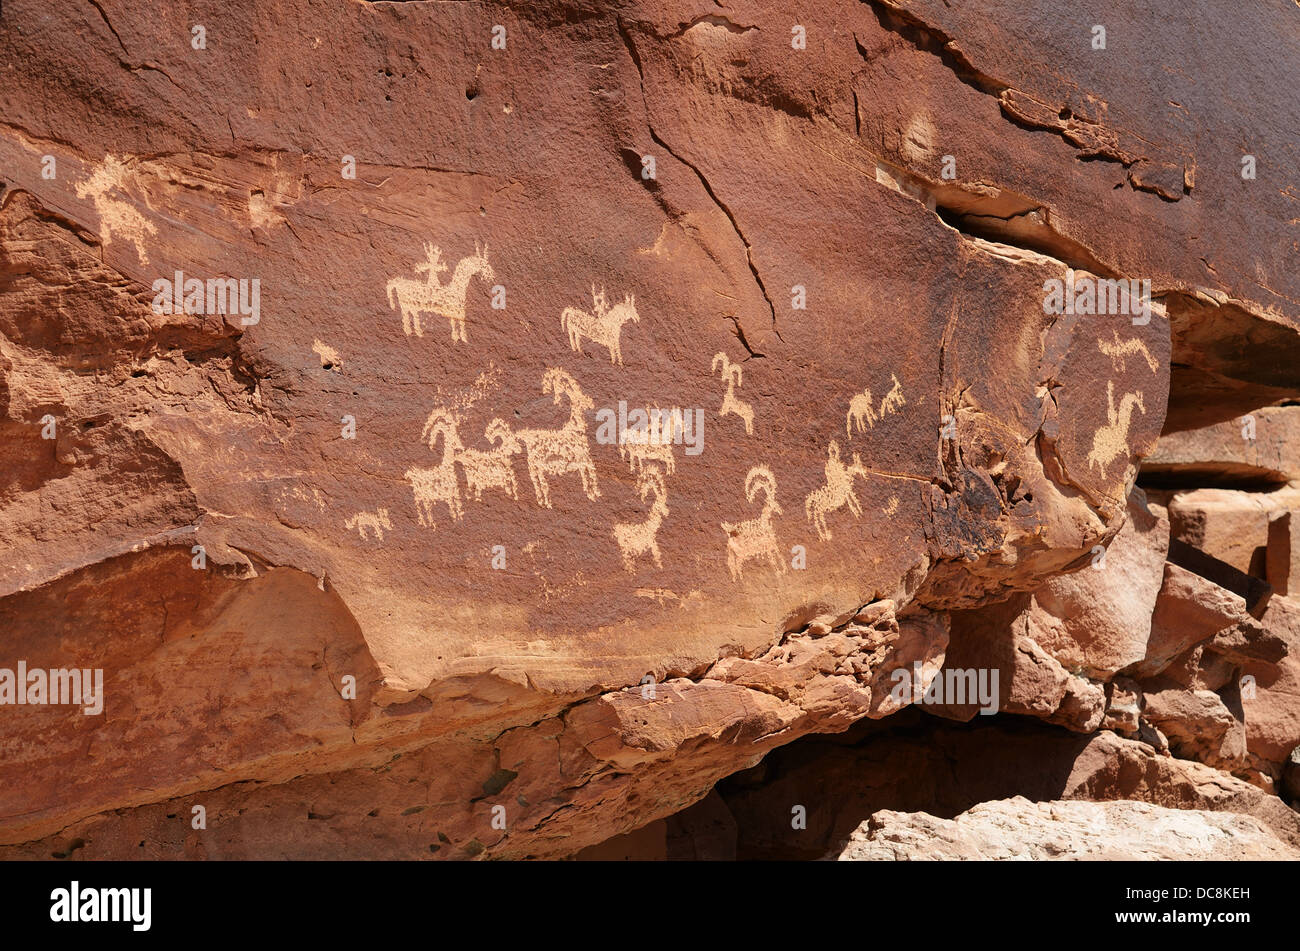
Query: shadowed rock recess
{"points": [[327, 334]]}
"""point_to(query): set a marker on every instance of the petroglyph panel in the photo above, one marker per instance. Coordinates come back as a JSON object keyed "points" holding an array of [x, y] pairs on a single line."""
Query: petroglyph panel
{"points": [[450, 502]]}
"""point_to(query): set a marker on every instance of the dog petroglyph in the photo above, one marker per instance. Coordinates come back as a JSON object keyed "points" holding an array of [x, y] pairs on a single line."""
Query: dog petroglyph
{"points": [[639, 538], [376, 522]]}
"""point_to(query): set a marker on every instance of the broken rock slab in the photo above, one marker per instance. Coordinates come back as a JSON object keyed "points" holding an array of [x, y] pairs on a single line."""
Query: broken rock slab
{"points": [[1262, 446], [1036, 831]]}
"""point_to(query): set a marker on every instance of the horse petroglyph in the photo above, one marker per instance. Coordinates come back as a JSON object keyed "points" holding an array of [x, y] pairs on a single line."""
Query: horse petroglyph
{"points": [[430, 296], [836, 493], [376, 522], [553, 452], [602, 327], [755, 538], [1112, 439], [731, 403], [639, 538]]}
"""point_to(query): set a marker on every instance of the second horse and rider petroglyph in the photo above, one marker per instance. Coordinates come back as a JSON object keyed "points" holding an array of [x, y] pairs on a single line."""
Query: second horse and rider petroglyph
{"points": [[603, 327], [755, 538], [836, 493], [431, 296], [731, 403]]}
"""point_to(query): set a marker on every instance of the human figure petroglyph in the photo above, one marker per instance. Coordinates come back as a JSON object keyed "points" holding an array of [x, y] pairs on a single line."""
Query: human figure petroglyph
{"points": [[430, 296], [376, 522], [491, 468], [639, 538], [655, 444], [553, 452], [1112, 439], [116, 216], [893, 399], [604, 327], [1133, 345], [731, 403], [755, 538], [440, 484], [836, 493], [860, 411]]}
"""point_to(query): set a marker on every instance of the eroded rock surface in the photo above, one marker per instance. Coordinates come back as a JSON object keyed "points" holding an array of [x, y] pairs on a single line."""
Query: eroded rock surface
{"points": [[1023, 830], [364, 551]]}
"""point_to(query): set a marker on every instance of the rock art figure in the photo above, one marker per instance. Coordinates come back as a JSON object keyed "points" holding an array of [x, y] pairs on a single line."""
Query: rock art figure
{"points": [[836, 493], [602, 327], [376, 522], [638, 538], [1112, 439], [730, 402], [431, 296], [655, 444], [860, 412], [755, 538], [553, 452], [432, 486], [115, 215], [491, 468], [1134, 345], [893, 399]]}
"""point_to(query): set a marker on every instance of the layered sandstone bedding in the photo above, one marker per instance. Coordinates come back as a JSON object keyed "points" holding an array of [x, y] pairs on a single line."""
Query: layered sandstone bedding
{"points": [[648, 429]]}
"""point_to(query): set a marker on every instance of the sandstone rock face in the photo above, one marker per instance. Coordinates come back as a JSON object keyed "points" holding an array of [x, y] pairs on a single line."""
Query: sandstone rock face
{"points": [[1271, 694], [1235, 526], [443, 452], [1098, 619], [1262, 446], [1020, 829]]}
